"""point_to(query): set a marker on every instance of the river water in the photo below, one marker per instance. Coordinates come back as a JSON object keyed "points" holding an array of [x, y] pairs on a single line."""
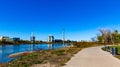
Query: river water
{"points": [[6, 50]]}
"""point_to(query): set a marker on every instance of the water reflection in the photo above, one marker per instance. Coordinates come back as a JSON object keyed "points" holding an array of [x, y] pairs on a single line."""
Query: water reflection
{"points": [[50, 46]]}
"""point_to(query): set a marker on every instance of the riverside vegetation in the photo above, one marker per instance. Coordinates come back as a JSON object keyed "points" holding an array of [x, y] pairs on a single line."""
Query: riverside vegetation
{"points": [[53, 58]]}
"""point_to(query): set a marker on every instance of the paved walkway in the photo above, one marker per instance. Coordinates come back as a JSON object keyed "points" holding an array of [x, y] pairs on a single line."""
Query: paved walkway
{"points": [[93, 57]]}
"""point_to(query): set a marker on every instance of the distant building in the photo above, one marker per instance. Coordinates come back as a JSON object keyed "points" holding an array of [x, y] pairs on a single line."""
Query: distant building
{"points": [[68, 41], [8, 39], [58, 41], [50, 38], [32, 38], [4, 38], [16, 39]]}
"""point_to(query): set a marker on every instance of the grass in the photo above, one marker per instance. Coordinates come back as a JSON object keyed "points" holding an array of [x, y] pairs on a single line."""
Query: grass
{"points": [[56, 57], [103, 48], [118, 48]]}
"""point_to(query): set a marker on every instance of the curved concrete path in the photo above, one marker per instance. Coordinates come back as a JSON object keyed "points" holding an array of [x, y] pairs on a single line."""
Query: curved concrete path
{"points": [[93, 57]]}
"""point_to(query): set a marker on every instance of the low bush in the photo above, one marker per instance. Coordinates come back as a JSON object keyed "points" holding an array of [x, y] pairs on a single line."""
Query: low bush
{"points": [[86, 44]]}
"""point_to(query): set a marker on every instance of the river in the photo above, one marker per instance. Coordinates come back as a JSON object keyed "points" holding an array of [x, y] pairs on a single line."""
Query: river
{"points": [[6, 50]]}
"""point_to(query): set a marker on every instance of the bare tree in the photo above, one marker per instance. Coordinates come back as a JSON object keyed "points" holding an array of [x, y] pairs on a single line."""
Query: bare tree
{"points": [[111, 37], [103, 32], [107, 35]]}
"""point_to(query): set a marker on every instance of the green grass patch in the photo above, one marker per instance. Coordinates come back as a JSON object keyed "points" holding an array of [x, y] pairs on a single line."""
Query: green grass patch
{"points": [[103, 48], [118, 48]]}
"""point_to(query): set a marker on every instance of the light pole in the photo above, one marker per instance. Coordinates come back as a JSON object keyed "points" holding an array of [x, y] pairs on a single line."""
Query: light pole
{"points": [[63, 36]]}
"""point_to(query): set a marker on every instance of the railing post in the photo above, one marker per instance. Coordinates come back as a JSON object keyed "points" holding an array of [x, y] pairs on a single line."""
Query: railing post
{"points": [[114, 51]]}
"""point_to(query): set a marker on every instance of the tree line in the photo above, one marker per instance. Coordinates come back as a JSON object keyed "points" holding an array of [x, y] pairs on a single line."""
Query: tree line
{"points": [[108, 37]]}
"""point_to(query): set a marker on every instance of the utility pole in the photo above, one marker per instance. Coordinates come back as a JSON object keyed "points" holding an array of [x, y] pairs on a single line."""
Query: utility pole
{"points": [[63, 36]]}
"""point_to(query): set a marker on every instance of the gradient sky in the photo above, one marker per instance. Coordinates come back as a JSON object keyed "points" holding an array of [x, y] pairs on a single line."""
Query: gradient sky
{"points": [[80, 18]]}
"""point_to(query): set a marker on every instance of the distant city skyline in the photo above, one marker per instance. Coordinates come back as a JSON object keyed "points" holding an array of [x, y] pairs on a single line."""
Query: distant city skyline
{"points": [[81, 18]]}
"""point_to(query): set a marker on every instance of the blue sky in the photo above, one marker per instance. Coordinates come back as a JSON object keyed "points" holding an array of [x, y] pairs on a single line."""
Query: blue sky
{"points": [[80, 18]]}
